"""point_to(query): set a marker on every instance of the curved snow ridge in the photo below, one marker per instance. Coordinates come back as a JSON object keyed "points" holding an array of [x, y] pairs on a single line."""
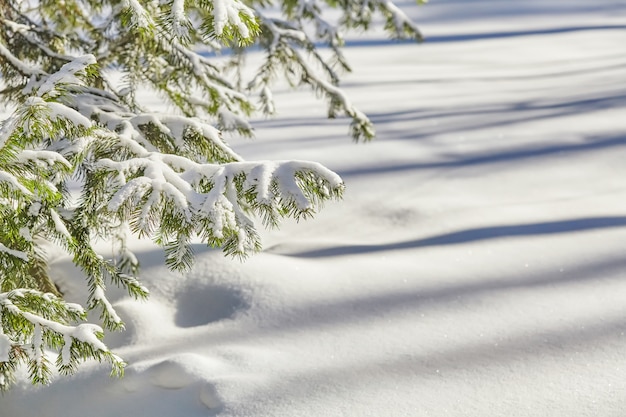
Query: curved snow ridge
{"points": [[145, 322], [189, 372], [205, 302]]}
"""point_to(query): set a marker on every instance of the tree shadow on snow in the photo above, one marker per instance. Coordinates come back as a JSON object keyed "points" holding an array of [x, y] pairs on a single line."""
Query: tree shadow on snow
{"points": [[463, 359], [462, 77], [507, 155], [324, 315], [516, 349], [472, 235], [474, 117], [416, 124], [469, 37]]}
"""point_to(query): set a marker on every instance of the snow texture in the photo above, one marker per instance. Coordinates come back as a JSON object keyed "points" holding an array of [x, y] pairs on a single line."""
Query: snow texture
{"points": [[474, 268], [5, 349]]}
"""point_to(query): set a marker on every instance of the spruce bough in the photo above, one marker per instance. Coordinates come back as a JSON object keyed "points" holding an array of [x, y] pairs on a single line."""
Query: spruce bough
{"points": [[82, 158]]}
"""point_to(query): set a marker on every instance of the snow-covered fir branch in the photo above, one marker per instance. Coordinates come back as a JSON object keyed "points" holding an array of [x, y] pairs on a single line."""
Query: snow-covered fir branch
{"points": [[168, 177]]}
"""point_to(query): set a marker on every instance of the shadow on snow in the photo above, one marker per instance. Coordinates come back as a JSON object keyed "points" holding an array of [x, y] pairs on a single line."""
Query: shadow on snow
{"points": [[476, 234]]}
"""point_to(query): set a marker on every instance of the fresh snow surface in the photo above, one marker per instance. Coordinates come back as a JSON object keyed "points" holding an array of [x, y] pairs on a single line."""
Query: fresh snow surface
{"points": [[476, 267]]}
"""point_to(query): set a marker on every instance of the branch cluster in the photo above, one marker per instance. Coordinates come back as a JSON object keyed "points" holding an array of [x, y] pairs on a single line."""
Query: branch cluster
{"points": [[81, 158]]}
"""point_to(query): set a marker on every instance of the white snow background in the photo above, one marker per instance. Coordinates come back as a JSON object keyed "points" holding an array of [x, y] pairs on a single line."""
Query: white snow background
{"points": [[476, 267]]}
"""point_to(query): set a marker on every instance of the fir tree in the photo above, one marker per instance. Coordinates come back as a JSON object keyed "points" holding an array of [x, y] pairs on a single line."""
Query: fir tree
{"points": [[168, 177]]}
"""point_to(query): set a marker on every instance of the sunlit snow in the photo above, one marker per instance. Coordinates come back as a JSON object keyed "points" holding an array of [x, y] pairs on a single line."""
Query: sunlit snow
{"points": [[476, 266]]}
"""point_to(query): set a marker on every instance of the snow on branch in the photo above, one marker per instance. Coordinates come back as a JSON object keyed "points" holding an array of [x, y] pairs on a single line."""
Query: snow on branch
{"points": [[398, 21], [167, 176], [24, 68], [139, 16], [43, 316], [232, 14], [43, 157], [180, 21], [67, 75], [216, 201], [144, 132], [11, 181], [16, 253], [287, 41]]}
